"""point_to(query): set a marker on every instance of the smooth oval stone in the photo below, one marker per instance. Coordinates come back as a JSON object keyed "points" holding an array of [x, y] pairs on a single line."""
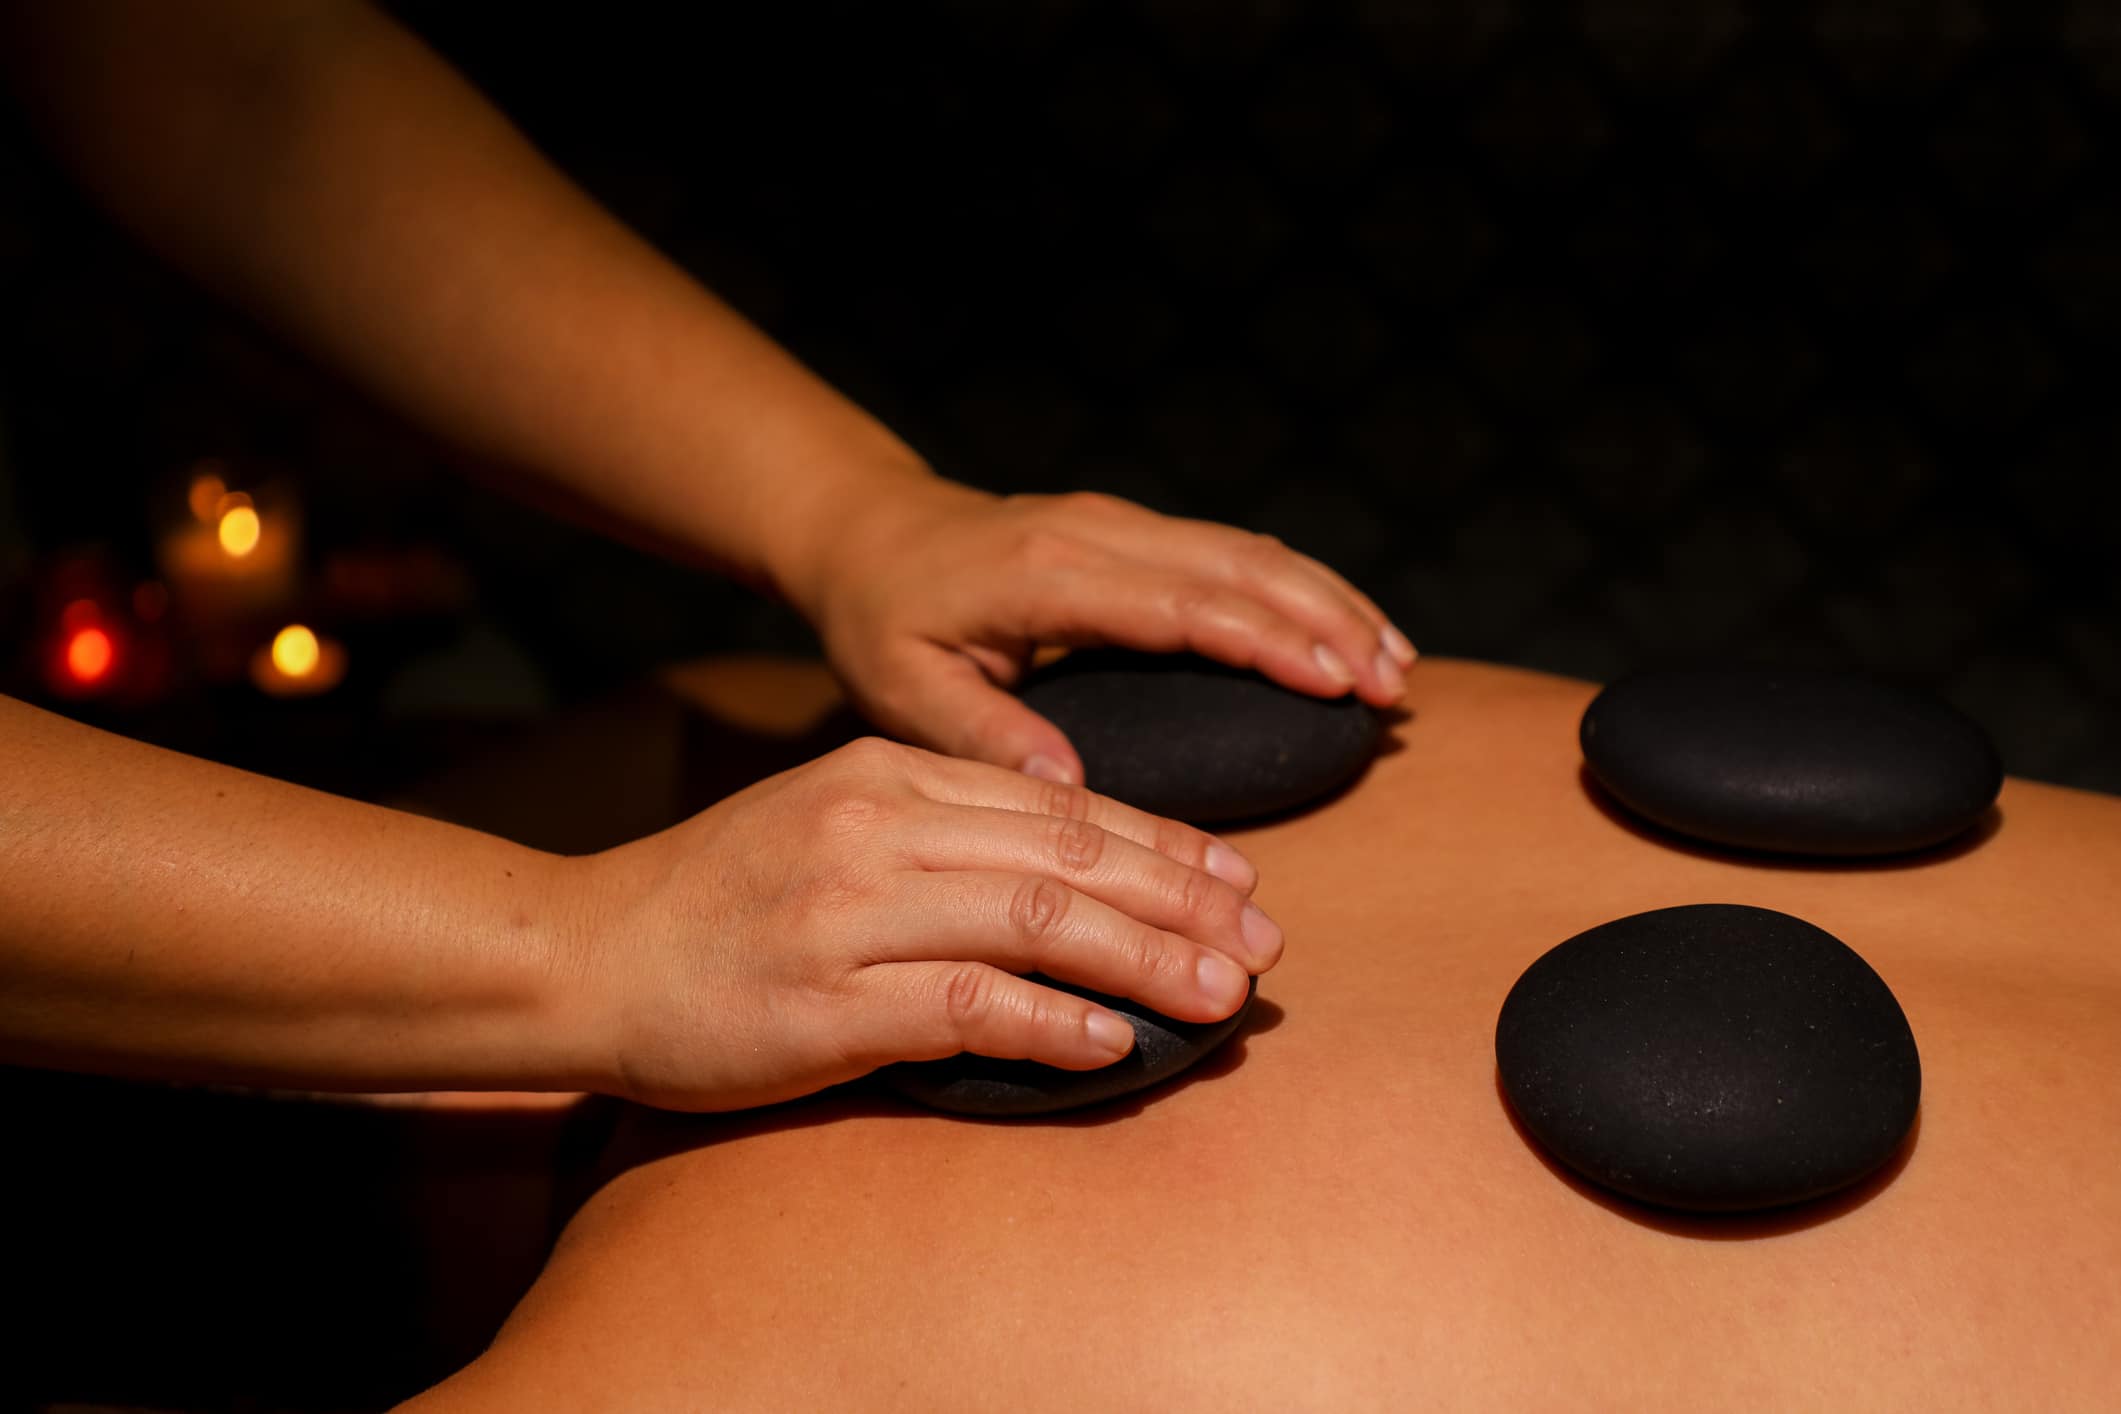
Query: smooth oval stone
{"points": [[1713, 1057], [1793, 761], [982, 1085], [1178, 735]]}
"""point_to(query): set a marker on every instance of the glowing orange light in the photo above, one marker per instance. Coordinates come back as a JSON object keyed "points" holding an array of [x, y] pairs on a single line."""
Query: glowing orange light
{"points": [[295, 651], [89, 652], [239, 530], [297, 663], [204, 497]]}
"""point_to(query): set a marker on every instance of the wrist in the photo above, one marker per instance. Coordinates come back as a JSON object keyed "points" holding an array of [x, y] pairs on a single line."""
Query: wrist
{"points": [[630, 993], [864, 536], [815, 528], [497, 1002], [574, 1016]]}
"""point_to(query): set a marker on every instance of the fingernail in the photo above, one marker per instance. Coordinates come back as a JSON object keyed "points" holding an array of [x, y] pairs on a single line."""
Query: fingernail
{"points": [[1047, 769], [1109, 1033], [1220, 980], [1262, 934], [1388, 673], [1335, 666], [1396, 644], [1231, 867]]}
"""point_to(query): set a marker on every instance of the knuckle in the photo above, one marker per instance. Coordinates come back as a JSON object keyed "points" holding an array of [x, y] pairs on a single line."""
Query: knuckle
{"points": [[1092, 503], [1261, 556], [1077, 845], [1142, 953], [855, 814], [871, 752], [862, 766], [1037, 908], [1063, 802], [1192, 600], [1046, 549], [1197, 896], [967, 993]]}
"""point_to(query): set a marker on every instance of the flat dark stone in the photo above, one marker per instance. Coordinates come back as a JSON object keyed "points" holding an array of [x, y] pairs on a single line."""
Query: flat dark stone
{"points": [[982, 1085], [1793, 761], [1183, 737], [1714, 1057]]}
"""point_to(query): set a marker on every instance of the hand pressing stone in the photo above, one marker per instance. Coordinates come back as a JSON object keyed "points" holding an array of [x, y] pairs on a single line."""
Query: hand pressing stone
{"points": [[981, 1085], [1714, 1057], [1797, 762], [1180, 736]]}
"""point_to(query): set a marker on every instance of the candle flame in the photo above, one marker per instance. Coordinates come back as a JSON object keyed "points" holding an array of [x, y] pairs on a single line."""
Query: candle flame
{"points": [[295, 651], [239, 530], [88, 655]]}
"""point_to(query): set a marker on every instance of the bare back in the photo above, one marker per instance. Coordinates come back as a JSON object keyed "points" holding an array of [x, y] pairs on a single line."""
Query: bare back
{"points": [[1339, 1212]]}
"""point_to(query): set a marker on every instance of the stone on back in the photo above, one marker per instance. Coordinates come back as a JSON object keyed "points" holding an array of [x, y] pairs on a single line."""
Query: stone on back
{"points": [[1177, 735], [1790, 761]]}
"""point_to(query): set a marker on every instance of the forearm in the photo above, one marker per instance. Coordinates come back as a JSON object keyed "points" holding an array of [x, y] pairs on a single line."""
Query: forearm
{"points": [[165, 917], [322, 167]]}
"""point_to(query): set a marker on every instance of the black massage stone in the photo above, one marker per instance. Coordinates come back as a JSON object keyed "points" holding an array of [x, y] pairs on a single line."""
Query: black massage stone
{"points": [[1714, 1057], [981, 1085], [1791, 761], [1180, 736]]}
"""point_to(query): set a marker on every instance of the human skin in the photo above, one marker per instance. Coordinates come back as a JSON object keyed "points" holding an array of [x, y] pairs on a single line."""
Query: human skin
{"points": [[169, 918], [1341, 1213], [316, 164]]}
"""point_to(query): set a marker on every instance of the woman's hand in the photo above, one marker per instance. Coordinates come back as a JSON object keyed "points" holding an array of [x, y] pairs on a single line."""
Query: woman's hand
{"points": [[872, 906], [931, 604]]}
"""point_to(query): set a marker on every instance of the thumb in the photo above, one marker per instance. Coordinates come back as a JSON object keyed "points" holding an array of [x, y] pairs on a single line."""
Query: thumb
{"points": [[941, 700]]}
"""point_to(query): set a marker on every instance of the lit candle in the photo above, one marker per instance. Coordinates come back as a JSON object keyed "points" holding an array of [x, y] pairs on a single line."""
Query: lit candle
{"points": [[88, 655], [85, 659], [232, 560], [297, 663], [237, 527]]}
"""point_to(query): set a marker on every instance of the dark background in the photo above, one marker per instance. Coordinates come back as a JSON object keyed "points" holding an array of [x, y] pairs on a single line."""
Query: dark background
{"points": [[1580, 335]]}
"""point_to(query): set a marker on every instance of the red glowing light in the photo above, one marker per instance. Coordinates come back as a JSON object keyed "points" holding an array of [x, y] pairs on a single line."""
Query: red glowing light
{"points": [[89, 653]]}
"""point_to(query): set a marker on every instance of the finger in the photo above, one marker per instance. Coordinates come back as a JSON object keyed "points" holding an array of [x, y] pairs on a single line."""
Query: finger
{"points": [[1105, 598], [1304, 588], [929, 1010], [1137, 882], [1144, 534], [1363, 602], [1265, 567], [956, 782], [1294, 584], [1035, 923], [942, 700], [1396, 643]]}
